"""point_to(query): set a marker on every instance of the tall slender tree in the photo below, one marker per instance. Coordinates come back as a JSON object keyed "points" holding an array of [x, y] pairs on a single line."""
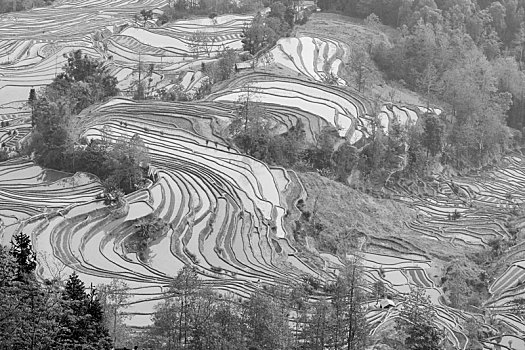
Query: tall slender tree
{"points": [[25, 257]]}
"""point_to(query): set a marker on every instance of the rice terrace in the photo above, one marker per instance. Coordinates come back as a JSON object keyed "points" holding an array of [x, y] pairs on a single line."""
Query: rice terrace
{"points": [[262, 174]]}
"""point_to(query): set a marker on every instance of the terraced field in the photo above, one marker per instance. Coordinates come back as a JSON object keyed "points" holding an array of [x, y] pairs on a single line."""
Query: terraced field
{"points": [[32, 49], [228, 214]]}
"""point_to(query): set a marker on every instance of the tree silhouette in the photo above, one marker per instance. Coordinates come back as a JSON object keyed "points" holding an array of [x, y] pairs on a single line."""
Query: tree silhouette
{"points": [[24, 255]]}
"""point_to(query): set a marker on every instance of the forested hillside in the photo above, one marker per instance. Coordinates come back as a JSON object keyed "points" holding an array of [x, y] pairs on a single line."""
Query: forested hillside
{"points": [[466, 56]]}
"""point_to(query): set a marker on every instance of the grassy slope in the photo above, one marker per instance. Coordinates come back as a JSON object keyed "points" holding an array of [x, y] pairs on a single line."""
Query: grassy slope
{"points": [[341, 208]]}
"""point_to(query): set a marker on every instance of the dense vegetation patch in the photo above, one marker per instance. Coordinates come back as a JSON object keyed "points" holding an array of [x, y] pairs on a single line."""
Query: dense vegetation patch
{"points": [[265, 30], [55, 141]]}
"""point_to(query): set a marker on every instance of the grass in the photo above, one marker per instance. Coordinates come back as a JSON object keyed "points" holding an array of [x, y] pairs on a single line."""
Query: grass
{"points": [[373, 221]]}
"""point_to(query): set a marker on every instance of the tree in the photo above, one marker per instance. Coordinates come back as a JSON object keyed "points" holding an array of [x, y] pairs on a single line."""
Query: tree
{"points": [[379, 289], [428, 82], [345, 158], [114, 298], [320, 155], [350, 293], [82, 320], [124, 164], [433, 134], [31, 100], [83, 82], [251, 129], [473, 330], [24, 255], [416, 321], [146, 15], [227, 332], [261, 33], [165, 327], [266, 320], [464, 283], [316, 331], [185, 286], [224, 67], [362, 68]]}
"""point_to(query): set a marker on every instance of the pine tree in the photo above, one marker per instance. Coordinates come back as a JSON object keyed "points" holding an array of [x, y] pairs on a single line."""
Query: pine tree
{"points": [[351, 329], [82, 321], [28, 309], [24, 255], [31, 100]]}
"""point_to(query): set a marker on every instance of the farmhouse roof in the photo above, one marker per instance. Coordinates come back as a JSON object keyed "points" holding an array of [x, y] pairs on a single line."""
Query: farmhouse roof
{"points": [[243, 65], [386, 303]]}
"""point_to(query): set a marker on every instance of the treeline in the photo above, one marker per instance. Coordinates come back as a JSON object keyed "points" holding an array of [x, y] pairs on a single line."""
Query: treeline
{"points": [[55, 142], [464, 56], [307, 316], [481, 96], [21, 5]]}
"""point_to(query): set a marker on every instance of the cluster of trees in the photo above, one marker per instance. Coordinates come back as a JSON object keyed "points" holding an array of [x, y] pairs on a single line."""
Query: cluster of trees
{"points": [[194, 317], [36, 315], [478, 93], [21, 5], [265, 30], [252, 132], [465, 284], [382, 157], [148, 229], [464, 56], [55, 143]]}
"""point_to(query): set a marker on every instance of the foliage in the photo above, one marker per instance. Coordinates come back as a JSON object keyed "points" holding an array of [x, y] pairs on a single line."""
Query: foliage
{"points": [[82, 318], [266, 322], [145, 15], [339, 322], [120, 165], [320, 155], [416, 321], [28, 310], [113, 299], [194, 317], [148, 229], [348, 305], [23, 253], [83, 82], [362, 68], [433, 134], [264, 31], [464, 282], [36, 315], [252, 132]]}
